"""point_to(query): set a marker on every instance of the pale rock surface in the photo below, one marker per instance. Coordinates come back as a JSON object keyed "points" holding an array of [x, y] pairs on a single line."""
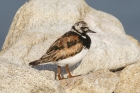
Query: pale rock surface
{"points": [[129, 80], [134, 40], [102, 81], [15, 78], [22, 79], [38, 23]]}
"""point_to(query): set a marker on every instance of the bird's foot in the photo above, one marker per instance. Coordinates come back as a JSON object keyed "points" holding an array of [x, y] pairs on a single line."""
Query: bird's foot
{"points": [[73, 76], [61, 78]]}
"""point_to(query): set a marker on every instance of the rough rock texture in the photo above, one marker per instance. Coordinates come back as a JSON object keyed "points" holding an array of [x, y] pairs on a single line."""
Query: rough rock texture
{"points": [[38, 23], [133, 40], [21, 79], [101, 81], [129, 80]]}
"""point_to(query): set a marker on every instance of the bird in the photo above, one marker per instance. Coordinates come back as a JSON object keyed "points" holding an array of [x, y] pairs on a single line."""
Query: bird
{"points": [[69, 49]]}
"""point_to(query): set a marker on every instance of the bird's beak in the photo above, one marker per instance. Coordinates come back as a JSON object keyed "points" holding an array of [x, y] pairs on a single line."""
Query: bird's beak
{"points": [[90, 31]]}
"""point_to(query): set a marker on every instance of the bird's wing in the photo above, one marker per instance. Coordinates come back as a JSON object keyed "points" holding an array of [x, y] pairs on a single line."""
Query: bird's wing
{"points": [[67, 45]]}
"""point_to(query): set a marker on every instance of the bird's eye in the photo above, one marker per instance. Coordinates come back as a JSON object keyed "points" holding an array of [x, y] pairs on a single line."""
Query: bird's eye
{"points": [[84, 28]]}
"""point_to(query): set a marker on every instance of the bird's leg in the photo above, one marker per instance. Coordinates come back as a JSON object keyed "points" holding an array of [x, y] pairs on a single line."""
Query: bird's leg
{"points": [[69, 74], [59, 72]]}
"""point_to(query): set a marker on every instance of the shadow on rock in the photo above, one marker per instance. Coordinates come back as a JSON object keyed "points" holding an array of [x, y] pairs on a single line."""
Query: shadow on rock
{"points": [[53, 67]]}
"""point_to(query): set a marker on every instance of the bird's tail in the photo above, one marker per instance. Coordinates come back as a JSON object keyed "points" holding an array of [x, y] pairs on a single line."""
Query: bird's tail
{"points": [[37, 62], [34, 63]]}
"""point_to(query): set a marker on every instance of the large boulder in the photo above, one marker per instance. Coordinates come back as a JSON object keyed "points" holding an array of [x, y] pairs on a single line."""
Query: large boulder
{"points": [[102, 81], [38, 23], [15, 78], [129, 80]]}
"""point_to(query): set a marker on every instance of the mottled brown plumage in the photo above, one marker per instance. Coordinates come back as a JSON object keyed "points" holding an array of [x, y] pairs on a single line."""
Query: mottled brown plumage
{"points": [[67, 45], [72, 46]]}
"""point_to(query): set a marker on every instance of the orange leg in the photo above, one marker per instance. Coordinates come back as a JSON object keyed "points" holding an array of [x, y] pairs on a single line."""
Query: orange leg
{"points": [[59, 71], [69, 74]]}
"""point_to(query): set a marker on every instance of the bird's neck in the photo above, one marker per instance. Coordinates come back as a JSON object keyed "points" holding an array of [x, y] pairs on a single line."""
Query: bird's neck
{"points": [[85, 39]]}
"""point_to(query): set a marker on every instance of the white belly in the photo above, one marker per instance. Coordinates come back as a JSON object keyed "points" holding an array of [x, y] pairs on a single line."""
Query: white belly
{"points": [[73, 60]]}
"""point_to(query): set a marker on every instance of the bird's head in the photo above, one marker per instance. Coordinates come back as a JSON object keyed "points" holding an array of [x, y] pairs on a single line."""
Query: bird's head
{"points": [[81, 27]]}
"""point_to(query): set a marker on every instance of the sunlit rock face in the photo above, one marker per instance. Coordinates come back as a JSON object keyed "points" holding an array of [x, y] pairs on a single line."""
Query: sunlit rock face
{"points": [[38, 23], [129, 80]]}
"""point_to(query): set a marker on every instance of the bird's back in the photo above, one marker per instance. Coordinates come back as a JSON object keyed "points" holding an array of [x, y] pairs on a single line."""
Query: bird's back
{"points": [[67, 45]]}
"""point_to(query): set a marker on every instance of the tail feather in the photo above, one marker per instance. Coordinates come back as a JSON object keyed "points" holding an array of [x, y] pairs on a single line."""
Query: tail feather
{"points": [[34, 63], [37, 62]]}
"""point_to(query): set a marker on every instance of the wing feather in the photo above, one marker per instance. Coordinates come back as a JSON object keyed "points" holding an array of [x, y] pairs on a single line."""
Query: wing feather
{"points": [[67, 45]]}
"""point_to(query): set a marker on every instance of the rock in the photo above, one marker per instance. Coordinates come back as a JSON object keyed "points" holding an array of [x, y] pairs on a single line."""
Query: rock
{"points": [[38, 23], [15, 78], [21, 79], [101, 81], [134, 40], [129, 79]]}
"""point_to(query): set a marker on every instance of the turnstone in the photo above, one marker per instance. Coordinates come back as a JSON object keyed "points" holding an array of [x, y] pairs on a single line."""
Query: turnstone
{"points": [[69, 49]]}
